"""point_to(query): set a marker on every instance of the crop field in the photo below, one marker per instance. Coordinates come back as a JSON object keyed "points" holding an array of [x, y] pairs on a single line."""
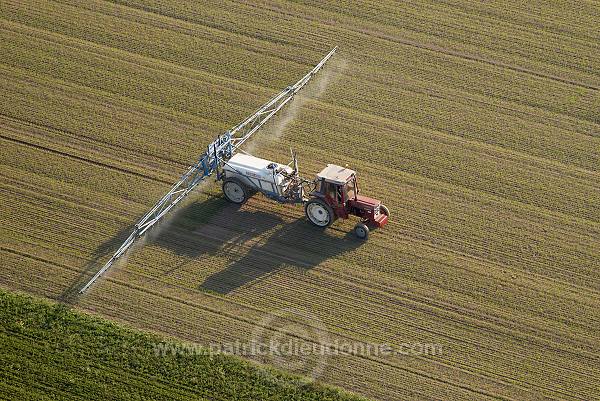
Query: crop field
{"points": [[99, 360], [476, 123]]}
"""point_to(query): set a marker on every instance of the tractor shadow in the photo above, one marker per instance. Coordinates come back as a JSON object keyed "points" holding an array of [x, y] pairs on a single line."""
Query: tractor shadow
{"points": [[190, 217], [100, 255], [296, 244], [257, 243]]}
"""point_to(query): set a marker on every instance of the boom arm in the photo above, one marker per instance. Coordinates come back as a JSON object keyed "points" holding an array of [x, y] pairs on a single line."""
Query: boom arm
{"points": [[216, 154]]}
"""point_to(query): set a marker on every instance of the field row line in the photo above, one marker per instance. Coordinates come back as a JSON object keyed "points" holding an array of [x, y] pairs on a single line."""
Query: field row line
{"points": [[447, 138], [135, 59], [426, 47], [416, 238], [192, 304], [541, 21], [83, 159], [68, 145], [121, 218], [72, 197], [376, 335], [391, 124], [334, 272], [322, 152], [238, 319], [99, 96], [214, 39], [570, 273], [461, 55], [318, 16]]}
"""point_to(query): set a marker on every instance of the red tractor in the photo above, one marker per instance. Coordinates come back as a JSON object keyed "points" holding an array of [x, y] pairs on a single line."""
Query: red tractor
{"points": [[337, 196], [333, 194]]}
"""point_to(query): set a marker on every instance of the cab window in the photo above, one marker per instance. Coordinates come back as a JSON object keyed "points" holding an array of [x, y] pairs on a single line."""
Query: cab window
{"points": [[319, 187], [328, 189], [351, 189]]}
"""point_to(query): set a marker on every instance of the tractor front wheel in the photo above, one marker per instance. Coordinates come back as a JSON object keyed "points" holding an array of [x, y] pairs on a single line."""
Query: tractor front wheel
{"points": [[383, 209], [362, 231], [319, 213], [235, 191]]}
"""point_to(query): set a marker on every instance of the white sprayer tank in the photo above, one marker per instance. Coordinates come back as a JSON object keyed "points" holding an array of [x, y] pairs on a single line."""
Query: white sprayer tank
{"points": [[255, 173]]}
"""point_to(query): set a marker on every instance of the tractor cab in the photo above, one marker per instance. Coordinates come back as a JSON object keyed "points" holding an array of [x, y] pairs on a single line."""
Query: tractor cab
{"points": [[337, 186], [336, 195]]}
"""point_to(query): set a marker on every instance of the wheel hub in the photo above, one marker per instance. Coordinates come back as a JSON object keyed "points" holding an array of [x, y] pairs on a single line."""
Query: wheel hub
{"points": [[234, 191], [318, 214]]}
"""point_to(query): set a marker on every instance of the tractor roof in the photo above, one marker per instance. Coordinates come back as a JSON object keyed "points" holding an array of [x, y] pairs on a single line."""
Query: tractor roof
{"points": [[336, 174]]}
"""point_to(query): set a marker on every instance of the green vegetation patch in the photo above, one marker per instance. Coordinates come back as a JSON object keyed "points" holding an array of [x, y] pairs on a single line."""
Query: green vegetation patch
{"points": [[52, 352]]}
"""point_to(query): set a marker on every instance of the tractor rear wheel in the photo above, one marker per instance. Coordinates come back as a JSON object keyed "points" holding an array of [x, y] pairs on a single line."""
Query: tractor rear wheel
{"points": [[362, 231], [383, 209], [235, 191], [319, 213]]}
